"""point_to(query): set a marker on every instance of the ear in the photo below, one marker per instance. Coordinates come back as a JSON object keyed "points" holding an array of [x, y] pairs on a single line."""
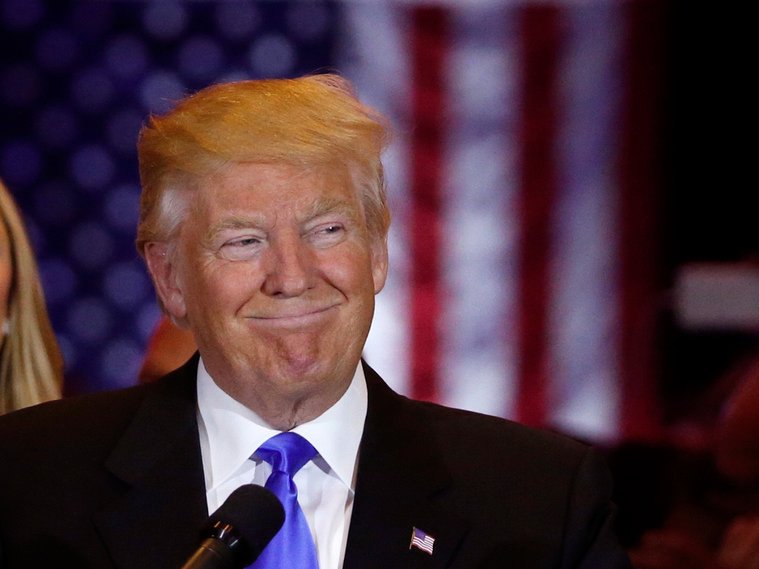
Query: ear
{"points": [[161, 263], [379, 263]]}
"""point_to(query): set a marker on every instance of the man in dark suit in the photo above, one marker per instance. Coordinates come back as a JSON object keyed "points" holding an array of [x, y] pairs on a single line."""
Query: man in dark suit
{"points": [[263, 225]]}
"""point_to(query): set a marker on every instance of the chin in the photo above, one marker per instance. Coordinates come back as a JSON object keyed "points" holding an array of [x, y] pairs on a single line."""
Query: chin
{"points": [[306, 372], [301, 369]]}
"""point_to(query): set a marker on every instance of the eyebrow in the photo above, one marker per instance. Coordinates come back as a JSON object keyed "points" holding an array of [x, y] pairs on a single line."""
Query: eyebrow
{"points": [[331, 205], [235, 222], [318, 209]]}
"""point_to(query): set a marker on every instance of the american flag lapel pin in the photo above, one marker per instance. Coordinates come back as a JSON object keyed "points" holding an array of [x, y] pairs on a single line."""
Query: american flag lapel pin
{"points": [[422, 541]]}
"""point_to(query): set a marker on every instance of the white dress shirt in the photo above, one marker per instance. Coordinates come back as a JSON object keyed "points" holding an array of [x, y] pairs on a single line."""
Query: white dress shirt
{"points": [[230, 433]]}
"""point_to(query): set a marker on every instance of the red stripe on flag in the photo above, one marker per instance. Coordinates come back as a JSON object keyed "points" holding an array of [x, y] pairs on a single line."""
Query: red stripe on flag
{"points": [[638, 176], [428, 52], [540, 41]]}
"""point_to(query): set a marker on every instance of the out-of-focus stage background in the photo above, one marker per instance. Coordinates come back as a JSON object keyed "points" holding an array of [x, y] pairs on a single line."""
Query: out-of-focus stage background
{"points": [[572, 243]]}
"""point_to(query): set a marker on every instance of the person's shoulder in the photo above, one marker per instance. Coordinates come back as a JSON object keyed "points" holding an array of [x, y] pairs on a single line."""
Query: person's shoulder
{"points": [[455, 430], [80, 412], [499, 436], [85, 418]]}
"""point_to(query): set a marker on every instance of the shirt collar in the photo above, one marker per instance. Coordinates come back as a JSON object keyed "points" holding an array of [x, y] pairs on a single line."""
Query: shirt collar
{"points": [[234, 432]]}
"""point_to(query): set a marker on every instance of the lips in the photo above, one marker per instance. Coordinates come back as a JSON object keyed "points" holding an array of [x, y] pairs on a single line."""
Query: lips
{"points": [[293, 315]]}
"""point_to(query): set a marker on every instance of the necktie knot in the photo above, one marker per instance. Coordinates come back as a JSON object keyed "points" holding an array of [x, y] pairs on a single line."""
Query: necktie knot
{"points": [[286, 452]]}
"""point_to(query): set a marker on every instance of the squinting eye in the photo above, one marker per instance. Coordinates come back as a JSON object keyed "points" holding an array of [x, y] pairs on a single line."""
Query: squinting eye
{"points": [[243, 242], [327, 234], [330, 230], [240, 249]]}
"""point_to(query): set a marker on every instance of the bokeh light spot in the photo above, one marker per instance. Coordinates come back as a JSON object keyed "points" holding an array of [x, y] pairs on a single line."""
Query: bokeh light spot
{"points": [[58, 280], [68, 351], [272, 55], [237, 20], [91, 245], [147, 319], [92, 167], [164, 20], [122, 208], [120, 362], [126, 284], [89, 319], [308, 21], [161, 91]]}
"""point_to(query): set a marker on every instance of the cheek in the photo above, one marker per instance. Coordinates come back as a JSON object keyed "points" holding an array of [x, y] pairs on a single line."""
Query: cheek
{"points": [[349, 271], [218, 289], [357, 286]]}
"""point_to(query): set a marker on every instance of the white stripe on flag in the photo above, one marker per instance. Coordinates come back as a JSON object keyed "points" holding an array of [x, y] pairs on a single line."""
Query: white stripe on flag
{"points": [[479, 324], [584, 397], [476, 370], [374, 57]]}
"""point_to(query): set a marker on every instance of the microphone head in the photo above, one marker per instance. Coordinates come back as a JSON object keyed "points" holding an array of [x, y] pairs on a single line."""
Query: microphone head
{"points": [[247, 521]]}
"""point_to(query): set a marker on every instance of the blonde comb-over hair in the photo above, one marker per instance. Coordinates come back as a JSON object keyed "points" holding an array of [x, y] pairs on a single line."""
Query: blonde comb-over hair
{"points": [[309, 121]]}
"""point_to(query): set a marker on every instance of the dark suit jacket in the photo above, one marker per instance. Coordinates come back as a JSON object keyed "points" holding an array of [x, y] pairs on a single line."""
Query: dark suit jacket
{"points": [[115, 480]]}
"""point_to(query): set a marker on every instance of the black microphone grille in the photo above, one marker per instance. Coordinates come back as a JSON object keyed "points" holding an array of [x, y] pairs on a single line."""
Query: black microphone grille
{"points": [[247, 521]]}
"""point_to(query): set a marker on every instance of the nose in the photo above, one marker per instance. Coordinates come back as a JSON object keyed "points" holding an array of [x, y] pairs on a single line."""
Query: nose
{"points": [[289, 267]]}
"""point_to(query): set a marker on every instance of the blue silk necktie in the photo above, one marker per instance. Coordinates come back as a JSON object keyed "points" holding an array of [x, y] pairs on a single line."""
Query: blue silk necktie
{"points": [[293, 547]]}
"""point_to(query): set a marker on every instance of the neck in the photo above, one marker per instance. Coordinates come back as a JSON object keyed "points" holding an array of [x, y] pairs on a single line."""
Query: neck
{"points": [[285, 415], [283, 405]]}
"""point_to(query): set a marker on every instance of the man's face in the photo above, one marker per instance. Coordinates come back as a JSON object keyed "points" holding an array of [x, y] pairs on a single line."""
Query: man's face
{"points": [[275, 274]]}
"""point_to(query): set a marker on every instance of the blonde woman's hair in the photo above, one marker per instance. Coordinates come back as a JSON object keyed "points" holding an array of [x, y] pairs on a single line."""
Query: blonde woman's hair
{"points": [[310, 121], [31, 366]]}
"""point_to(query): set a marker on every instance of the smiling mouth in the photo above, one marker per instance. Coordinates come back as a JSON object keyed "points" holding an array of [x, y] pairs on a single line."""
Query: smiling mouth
{"points": [[303, 316]]}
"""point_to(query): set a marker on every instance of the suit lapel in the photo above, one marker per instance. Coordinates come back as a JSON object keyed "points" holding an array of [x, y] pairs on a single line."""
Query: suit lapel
{"points": [[155, 523], [401, 480]]}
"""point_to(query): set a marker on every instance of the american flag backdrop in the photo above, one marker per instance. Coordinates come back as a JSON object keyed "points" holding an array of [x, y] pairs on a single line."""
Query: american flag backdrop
{"points": [[523, 180]]}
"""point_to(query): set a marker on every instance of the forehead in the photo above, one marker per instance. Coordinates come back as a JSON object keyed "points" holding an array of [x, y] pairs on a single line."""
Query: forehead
{"points": [[257, 187]]}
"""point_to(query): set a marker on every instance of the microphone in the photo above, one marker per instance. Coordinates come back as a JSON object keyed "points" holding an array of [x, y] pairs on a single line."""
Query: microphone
{"points": [[238, 531]]}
